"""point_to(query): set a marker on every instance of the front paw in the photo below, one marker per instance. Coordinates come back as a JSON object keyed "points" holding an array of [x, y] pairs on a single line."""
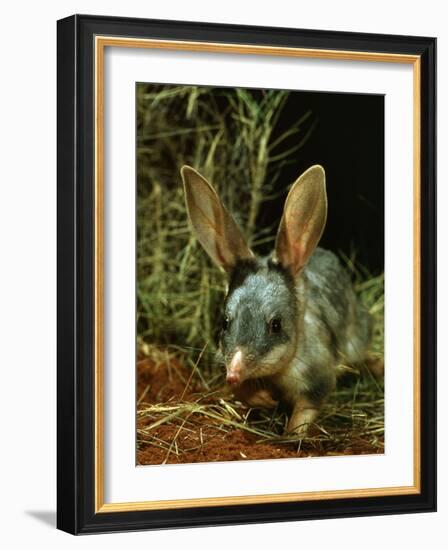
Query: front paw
{"points": [[297, 430], [253, 395], [262, 398], [302, 416]]}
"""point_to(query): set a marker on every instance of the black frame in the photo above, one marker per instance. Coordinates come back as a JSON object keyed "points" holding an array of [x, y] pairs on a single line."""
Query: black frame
{"points": [[75, 225]]}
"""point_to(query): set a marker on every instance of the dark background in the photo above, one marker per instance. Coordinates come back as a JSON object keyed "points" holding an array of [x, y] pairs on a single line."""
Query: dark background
{"points": [[348, 141]]}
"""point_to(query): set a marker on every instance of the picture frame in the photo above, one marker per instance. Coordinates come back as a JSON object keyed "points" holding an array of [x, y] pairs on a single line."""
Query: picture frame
{"points": [[82, 202]]}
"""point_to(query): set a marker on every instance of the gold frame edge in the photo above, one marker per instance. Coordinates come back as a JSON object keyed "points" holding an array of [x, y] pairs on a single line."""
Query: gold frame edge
{"points": [[101, 42]]}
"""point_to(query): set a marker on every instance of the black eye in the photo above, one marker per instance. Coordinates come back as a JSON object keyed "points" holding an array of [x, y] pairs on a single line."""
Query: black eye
{"points": [[275, 325], [225, 323]]}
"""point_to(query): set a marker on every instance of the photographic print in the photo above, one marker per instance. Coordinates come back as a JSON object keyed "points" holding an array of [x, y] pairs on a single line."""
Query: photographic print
{"points": [[246, 274], [260, 274]]}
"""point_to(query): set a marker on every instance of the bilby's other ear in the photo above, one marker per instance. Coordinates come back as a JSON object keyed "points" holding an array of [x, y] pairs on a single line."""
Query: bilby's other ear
{"points": [[303, 220], [215, 228]]}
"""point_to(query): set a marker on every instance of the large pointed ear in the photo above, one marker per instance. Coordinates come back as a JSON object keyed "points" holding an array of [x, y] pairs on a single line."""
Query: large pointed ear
{"points": [[215, 228], [303, 220]]}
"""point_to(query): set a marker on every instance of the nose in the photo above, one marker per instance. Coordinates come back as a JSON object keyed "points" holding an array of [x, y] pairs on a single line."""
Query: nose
{"points": [[235, 367], [232, 378]]}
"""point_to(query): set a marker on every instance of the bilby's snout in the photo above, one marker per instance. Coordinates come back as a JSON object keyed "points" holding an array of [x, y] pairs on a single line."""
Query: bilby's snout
{"points": [[235, 368]]}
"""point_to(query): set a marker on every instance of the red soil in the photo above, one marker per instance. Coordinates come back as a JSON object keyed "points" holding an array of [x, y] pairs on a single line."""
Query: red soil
{"points": [[200, 438]]}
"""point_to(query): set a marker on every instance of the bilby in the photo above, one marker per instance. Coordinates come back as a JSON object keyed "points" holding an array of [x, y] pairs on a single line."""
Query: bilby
{"points": [[288, 319]]}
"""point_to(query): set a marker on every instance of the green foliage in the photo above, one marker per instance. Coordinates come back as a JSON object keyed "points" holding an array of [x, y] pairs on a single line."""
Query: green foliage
{"points": [[231, 136]]}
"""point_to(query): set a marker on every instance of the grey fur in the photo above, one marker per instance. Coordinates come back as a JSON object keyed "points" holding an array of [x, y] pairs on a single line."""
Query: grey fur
{"points": [[323, 324], [266, 292]]}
